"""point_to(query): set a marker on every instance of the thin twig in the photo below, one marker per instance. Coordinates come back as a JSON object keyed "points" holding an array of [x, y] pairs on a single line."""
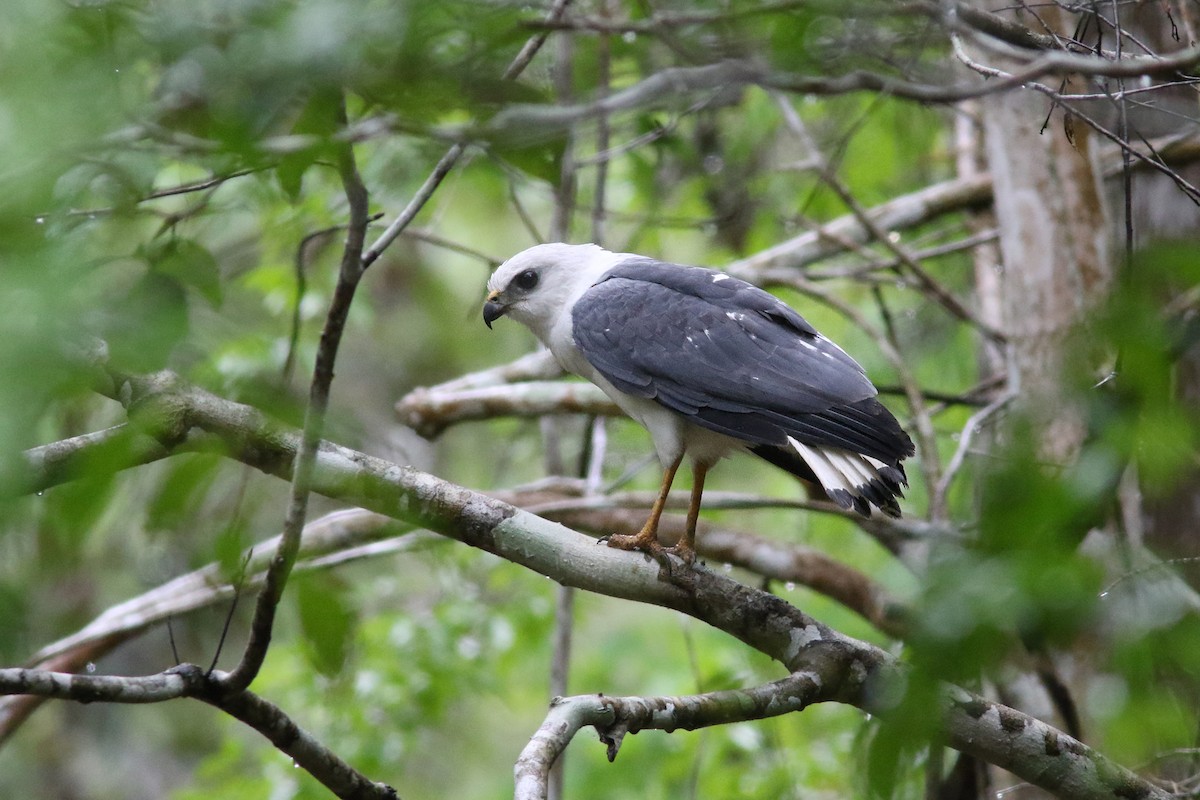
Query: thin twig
{"points": [[446, 244], [418, 201], [158, 194], [939, 293], [349, 275], [937, 502], [452, 155], [298, 269], [1065, 103], [667, 87]]}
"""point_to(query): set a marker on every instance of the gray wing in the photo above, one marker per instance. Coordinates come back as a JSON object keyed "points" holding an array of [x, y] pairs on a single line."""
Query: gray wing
{"points": [[730, 357]]}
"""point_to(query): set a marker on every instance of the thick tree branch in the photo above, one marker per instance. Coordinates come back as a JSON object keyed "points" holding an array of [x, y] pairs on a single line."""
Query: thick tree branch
{"points": [[117, 447], [167, 685], [784, 562], [353, 534], [852, 671]]}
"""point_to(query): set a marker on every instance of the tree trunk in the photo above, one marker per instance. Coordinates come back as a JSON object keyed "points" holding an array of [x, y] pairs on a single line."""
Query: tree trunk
{"points": [[1055, 268], [1054, 245]]}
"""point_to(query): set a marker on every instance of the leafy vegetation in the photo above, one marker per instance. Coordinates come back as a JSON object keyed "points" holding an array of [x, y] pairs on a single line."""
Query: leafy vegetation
{"points": [[172, 190]]}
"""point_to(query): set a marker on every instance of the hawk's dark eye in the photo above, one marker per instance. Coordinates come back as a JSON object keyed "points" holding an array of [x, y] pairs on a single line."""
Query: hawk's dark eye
{"points": [[526, 280]]}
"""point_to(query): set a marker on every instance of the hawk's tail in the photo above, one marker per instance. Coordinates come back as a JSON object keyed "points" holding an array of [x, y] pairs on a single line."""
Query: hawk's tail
{"points": [[852, 480]]}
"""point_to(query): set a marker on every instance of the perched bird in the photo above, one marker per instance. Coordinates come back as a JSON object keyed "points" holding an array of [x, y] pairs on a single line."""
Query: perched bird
{"points": [[710, 365]]}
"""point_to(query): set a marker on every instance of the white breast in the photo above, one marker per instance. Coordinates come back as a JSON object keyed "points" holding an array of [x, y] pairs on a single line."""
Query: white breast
{"points": [[668, 429]]}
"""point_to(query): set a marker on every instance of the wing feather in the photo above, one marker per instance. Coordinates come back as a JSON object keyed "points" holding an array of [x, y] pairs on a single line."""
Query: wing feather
{"points": [[731, 357]]}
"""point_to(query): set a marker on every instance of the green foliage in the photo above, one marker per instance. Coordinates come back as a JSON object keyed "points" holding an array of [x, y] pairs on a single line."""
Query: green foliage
{"points": [[1025, 576], [446, 645], [326, 622], [189, 264], [169, 188]]}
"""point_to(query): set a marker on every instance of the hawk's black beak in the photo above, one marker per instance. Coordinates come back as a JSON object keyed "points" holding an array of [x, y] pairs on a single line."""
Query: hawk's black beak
{"points": [[492, 311]]}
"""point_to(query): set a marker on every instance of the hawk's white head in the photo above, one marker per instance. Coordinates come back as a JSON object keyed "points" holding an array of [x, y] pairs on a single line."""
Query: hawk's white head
{"points": [[538, 286]]}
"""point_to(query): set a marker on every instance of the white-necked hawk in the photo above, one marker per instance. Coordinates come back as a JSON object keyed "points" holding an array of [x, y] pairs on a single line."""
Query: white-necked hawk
{"points": [[709, 364]]}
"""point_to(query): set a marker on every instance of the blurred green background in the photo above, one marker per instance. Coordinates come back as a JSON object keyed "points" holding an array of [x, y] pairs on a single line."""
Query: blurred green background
{"points": [[429, 670]]}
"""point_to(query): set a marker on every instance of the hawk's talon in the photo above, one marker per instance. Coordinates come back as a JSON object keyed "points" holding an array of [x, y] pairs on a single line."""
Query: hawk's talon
{"points": [[684, 552], [646, 543]]}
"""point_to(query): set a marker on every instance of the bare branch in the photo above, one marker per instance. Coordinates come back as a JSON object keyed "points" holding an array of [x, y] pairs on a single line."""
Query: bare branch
{"points": [[879, 234], [983, 21], [168, 685], [671, 86], [656, 22], [769, 266], [429, 412], [331, 540], [903, 212], [614, 717], [785, 562], [418, 201], [976, 421], [341, 532], [519, 389], [535, 42], [457, 247], [996, 26], [121, 446], [349, 275], [850, 671], [189, 680], [305, 750], [159, 194]]}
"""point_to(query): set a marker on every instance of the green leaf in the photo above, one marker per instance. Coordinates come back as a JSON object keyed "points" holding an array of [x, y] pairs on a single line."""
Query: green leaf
{"points": [[542, 160], [188, 262], [148, 323], [326, 620], [72, 512], [318, 121], [884, 756], [229, 549], [188, 479]]}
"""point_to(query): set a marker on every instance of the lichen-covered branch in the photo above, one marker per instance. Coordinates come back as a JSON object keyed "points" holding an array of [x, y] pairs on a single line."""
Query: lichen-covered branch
{"points": [[851, 671], [614, 717]]}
